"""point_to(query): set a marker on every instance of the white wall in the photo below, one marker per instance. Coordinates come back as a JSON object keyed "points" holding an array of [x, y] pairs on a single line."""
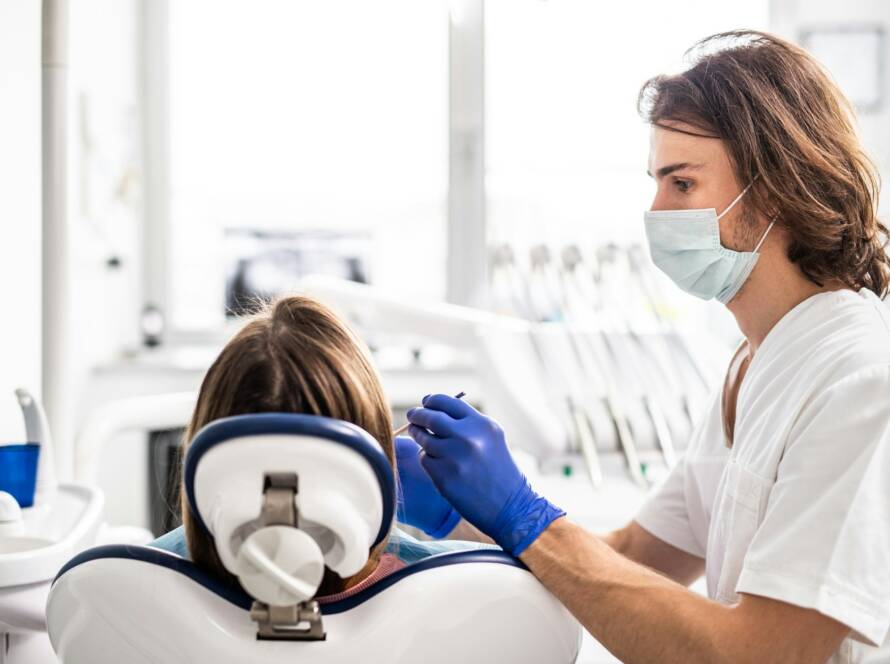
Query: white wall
{"points": [[105, 185], [104, 193], [19, 208]]}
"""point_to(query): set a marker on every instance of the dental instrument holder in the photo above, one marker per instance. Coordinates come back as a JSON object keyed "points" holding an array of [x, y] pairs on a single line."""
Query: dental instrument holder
{"points": [[282, 623]]}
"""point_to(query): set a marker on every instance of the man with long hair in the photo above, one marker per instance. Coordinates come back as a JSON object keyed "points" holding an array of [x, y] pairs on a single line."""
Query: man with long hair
{"points": [[766, 202]]}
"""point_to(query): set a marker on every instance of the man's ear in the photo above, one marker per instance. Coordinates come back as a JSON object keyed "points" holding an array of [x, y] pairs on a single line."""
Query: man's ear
{"points": [[765, 202], [760, 208]]}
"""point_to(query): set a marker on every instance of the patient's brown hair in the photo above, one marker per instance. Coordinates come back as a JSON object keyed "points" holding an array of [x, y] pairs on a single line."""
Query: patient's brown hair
{"points": [[294, 356]]}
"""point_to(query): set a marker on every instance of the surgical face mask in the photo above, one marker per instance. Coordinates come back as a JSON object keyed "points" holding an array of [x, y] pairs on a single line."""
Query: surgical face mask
{"points": [[685, 245]]}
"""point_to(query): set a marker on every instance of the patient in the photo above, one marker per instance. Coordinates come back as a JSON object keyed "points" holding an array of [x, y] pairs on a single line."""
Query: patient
{"points": [[296, 356]]}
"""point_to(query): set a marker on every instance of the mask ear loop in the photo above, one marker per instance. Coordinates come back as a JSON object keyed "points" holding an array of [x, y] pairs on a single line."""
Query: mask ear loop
{"points": [[736, 199]]}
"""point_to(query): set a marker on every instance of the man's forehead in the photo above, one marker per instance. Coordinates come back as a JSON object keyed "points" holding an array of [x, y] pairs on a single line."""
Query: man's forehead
{"points": [[672, 144]]}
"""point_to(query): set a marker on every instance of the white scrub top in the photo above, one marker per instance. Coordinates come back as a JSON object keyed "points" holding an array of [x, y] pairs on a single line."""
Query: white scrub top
{"points": [[799, 509]]}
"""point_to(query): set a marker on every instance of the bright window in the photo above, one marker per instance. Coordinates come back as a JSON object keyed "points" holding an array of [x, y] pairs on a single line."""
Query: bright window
{"points": [[306, 118], [565, 149]]}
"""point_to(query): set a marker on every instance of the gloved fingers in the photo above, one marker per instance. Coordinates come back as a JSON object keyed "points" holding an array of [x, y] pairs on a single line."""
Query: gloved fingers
{"points": [[449, 405], [437, 468], [433, 446], [449, 522], [406, 447], [439, 423]]}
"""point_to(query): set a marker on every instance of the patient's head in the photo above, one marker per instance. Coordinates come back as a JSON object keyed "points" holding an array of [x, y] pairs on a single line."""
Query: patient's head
{"points": [[294, 356]]}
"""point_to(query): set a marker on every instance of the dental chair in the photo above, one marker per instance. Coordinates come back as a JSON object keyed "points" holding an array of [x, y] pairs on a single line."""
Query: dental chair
{"points": [[283, 496]]}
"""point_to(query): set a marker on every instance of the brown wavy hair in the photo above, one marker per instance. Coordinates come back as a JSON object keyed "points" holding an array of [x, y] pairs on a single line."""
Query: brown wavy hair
{"points": [[782, 117], [293, 356]]}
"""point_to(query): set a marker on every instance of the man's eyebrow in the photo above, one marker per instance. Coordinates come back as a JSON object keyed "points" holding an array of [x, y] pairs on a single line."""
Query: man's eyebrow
{"points": [[667, 170]]}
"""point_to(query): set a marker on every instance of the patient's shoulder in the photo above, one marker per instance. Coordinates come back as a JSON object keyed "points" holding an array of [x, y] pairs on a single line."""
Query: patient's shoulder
{"points": [[174, 542], [406, 548], [409, 549]]}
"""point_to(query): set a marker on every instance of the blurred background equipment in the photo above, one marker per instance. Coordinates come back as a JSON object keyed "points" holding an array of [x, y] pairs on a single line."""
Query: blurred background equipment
{"points": [[261, 265]]}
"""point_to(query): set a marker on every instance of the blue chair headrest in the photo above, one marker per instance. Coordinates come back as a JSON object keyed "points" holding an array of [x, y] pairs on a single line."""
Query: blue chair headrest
{"points": [[337, 431]]}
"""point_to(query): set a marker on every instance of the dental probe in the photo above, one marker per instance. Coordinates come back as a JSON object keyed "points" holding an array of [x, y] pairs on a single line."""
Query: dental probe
{"points": [[402, 429]]}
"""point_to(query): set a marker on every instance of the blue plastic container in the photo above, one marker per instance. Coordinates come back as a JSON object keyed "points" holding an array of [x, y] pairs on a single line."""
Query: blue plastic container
{"points": [[18, 471]]}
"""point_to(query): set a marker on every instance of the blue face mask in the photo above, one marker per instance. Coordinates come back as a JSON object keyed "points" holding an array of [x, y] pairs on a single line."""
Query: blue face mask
{"points": [[685, 245]]}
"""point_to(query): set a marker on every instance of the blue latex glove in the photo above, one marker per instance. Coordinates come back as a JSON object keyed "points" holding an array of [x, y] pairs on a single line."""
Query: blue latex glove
{"points": [[465, 453], [419, 502]]}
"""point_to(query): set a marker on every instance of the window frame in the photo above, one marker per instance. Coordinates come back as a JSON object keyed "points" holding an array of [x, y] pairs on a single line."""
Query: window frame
{"points": [[466, 259]]}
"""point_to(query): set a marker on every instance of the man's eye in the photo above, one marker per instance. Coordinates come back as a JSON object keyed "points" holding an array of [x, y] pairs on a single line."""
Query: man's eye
{"points": [[682, 185]]}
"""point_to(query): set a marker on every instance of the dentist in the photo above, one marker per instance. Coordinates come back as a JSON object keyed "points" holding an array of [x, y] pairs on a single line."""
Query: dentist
{"points": [[766, 202]]}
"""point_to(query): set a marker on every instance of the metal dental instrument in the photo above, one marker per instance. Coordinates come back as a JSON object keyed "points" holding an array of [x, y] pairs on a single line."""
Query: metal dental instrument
{"points": [[523, 305], [576, 400], [598, 349], [566, 401], [402, 429], [643, 375]]}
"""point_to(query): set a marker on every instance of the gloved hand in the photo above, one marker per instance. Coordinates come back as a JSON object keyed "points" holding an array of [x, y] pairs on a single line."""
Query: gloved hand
{"points": [[419, 502], [465, 453]]}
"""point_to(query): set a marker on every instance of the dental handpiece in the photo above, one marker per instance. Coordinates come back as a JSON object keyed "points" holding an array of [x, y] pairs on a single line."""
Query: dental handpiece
{"points": [[402, 429]]}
